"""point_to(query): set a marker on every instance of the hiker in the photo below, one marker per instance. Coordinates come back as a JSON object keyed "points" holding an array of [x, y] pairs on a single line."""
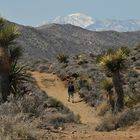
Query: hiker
{"points": [[71, 91]]}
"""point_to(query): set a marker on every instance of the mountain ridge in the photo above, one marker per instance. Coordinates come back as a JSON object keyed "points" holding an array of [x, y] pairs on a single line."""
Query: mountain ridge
{"points": [[93, 24], [46, 42]]}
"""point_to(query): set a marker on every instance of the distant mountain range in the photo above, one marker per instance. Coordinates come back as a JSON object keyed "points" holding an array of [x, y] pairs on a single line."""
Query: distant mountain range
{"points": [[93, 24], [52, 39]]}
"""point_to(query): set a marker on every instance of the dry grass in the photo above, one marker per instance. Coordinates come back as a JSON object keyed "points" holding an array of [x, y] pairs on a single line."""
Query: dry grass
{"points": [[114, 121], [27, 116], [103, 108]]}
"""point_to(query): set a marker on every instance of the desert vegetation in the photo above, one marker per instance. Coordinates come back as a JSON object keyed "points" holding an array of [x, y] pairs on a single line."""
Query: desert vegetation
{"points": [[107, 80], [113, 62], [99, 87], [25, 110]]}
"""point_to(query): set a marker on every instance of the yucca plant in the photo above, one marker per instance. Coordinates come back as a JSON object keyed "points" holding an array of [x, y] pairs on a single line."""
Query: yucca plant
{"points": [[125, 50], [16, 53], [18, 76], [62, 58], [107, 85], [114, 63], [8, 34], [18, 73]]}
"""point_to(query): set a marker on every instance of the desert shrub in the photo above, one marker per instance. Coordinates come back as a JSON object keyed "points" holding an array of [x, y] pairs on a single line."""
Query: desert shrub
{"points": [[54, 103], [62, 58], [102, 108], [43, 68], [83, 92], [123, 119], [130, 102], [127, 117], [22, 117], [28, 104], [81, 59], [62, 74], [14, 127], [107, 123], [137, 48], [85, 81], [137, 65], [59, 119]]}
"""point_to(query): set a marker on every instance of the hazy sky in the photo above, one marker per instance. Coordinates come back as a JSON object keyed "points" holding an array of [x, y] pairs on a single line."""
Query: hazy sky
{"points": [[34, 12]]}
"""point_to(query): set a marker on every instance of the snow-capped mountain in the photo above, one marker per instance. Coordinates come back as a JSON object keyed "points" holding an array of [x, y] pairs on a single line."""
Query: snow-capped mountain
{"points": [[116, 25], [90, 23], [76, 19]]}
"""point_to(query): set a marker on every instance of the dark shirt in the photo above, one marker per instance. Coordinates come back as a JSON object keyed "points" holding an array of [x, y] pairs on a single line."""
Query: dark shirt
{"points": [[70, 88]]}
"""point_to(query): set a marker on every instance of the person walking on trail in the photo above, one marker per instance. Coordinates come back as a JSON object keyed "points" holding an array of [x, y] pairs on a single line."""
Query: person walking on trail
{"points": [[71, 91]]}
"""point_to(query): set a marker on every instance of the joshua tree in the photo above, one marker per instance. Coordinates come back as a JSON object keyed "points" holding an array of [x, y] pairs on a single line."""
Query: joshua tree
{"points": [[113, 63], [8, 33], [107, 85]]}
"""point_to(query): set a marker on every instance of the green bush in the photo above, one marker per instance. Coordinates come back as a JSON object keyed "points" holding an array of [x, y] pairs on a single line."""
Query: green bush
{"points": [[54, 103], [137, 48], [85, 81], [62, 58]]}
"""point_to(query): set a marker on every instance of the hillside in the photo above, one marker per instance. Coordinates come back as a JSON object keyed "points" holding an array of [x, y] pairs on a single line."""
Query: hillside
{"points": [[39, 108], [49, 40]]}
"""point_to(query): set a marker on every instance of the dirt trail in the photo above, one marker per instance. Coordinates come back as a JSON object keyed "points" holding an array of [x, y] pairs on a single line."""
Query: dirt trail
{"points": [[56, 89]]}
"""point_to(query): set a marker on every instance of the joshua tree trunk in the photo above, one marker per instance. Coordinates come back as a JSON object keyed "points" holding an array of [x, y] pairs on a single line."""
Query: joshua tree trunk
{"points": [[111, 101], [119, 90], [4, 73], [4, 86]]}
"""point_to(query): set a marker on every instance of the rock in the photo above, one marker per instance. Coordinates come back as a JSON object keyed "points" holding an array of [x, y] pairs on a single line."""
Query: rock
{"points": [[73, 132]]}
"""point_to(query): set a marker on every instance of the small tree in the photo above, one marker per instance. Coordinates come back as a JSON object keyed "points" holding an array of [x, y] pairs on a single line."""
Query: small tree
{"points": [[114, 62], [107, 85]]}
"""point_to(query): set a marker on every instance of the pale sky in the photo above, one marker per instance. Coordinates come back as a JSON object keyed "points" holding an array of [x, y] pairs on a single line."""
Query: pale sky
{"points": [[34, 12]]}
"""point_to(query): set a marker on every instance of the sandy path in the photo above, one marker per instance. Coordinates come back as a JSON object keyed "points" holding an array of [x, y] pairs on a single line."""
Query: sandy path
{"points": [[56, 89]]}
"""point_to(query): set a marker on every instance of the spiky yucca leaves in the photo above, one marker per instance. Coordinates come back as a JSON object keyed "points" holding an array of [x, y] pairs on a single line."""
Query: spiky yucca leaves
{"points": [[8, 34], [126, 50], [62, 58], [107, 85], [113, 63], [15, 53], [18, 76]]}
